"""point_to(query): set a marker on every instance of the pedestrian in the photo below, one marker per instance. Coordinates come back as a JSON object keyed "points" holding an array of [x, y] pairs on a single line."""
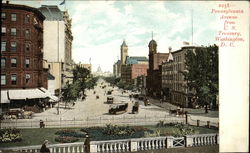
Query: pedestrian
{"points": [[87, 144], [42, 125], [44, 148]]}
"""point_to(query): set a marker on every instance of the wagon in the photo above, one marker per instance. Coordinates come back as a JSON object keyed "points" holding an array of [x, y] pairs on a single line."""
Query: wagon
{"points": [[118, 108]]}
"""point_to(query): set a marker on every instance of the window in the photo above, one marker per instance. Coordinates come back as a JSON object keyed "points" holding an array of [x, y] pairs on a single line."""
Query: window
{"points": [[3, 79], [3, 46], [13, 79], [27, 47], [27, 19], [13, 17], [13, 31], [3, 31], [27, 63], [27, 78], [13, 46], [3, 62], [13, 62], [27, 33], [3, 16]]}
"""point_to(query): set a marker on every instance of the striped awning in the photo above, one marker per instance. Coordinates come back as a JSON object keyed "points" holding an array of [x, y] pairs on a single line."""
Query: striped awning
{"points": [[4, 97]]}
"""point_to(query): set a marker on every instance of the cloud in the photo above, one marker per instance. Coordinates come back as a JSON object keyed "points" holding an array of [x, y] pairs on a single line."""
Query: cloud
{"points": [[99, 27]]}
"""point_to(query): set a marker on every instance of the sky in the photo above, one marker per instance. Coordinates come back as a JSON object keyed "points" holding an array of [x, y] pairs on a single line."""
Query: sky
{"points": [[99, 27]]}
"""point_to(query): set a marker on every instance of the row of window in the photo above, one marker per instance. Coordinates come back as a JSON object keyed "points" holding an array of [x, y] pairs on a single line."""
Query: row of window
{"points": [[13, 62], [14, 17], [13, 32], [178, 58], [13, 46], [13, 79]]}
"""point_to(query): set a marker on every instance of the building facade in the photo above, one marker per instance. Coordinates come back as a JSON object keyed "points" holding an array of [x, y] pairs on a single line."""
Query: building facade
{"points": [[154, 71], [132, 66], [22, 48], [173, 84], [58, 44], [117, 68]]}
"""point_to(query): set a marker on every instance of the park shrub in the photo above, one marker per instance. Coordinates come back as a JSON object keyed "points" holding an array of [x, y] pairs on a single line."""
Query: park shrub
{"points": [[114, 132], [66, 139], [10, 135], [182, 130], [70, 133]]}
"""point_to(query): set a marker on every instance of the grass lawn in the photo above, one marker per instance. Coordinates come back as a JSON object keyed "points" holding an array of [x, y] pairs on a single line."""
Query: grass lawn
{"points": [[37, 136], [169, 130]]}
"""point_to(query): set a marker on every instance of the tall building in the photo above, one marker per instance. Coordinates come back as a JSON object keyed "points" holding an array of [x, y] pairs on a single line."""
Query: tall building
{"points": [[58, 44], [23, 78], [124, 52], [154, 72]]}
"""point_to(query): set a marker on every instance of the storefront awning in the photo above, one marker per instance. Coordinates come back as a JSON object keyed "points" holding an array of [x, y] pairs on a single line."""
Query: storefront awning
{"points": [[4, 97], [26, 94], [50, 95]]}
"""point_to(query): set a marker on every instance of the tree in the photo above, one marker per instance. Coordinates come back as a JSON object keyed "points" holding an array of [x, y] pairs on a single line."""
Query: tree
{"points": [[202, 74], [82, 79]]}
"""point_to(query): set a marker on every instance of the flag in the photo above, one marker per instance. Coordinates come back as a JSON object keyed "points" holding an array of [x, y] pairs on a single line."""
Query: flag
{"points": [[63, 2], [185, 43]]}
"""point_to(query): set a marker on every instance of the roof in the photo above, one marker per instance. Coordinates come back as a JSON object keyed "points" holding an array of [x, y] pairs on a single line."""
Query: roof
{"points": [[23, 7], [136, 59], [152, 42], [170, 57], [124, 44], [51, 77], [51, 12]]}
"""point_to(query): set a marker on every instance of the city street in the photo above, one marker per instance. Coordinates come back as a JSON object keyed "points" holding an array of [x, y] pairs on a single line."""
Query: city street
{"points": [[92, 107], [94, 112]]}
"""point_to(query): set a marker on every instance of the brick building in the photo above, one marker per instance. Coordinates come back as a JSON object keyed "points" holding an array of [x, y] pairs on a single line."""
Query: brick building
{"points": [[130, 72], [24, 81], [154, 72], [132, 66], [173, 84], [21, 48]]}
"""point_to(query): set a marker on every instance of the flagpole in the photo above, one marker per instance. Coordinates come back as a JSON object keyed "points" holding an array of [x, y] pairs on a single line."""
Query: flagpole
{"points": [[192, 25]]}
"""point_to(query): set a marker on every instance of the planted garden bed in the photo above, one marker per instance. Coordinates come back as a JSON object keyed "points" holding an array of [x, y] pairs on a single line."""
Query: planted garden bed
{"points": [[109, 132]]}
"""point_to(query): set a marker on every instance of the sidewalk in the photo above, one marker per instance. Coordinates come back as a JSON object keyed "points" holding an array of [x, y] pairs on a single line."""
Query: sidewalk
{"points": [[193, 112]]}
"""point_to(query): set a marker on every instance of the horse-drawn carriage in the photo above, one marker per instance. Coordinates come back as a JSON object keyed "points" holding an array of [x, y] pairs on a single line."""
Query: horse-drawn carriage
{"points": [[118, 108]]}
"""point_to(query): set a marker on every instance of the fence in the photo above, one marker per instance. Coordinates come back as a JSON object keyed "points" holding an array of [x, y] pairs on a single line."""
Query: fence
{"points": [[127, 145], [102, 121], [55, 148]]}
